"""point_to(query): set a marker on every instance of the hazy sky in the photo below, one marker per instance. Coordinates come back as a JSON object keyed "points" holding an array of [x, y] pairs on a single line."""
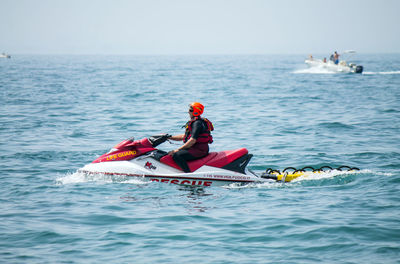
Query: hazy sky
{"points": [[198, 27]]}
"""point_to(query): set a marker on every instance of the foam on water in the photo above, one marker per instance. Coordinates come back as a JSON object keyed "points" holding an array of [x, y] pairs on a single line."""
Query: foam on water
{"points": [[320, 70], [315, 70], [80, 177], [312, 176], [382, 73]]}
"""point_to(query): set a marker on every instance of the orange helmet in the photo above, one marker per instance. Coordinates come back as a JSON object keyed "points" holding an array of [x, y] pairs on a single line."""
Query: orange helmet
{"points": [[198, 108]]}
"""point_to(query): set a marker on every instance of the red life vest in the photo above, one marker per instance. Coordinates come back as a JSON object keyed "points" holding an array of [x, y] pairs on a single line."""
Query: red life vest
{"points": [[204, 137]]}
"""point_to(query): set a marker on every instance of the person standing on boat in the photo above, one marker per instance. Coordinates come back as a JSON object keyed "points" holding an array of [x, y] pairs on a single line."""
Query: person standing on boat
{"points": [[196, 138], [336, 57]]}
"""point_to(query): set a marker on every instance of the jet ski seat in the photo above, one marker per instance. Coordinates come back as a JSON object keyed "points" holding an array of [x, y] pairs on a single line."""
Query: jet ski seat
{"points": [[214, 159]]}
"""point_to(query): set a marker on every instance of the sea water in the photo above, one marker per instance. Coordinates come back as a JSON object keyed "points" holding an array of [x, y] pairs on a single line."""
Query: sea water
{"points": [[58, 113]]}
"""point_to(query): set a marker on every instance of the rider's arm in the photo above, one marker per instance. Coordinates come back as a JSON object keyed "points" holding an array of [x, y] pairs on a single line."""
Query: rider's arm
{"points": [[178, 137], [187, 145], [197, 128]]}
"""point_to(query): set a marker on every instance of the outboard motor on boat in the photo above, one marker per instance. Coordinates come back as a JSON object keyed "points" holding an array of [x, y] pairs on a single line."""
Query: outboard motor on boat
{"points": [[359, 69]]}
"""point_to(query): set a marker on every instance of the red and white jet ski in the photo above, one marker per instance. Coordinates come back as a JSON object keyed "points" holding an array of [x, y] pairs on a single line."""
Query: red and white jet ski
{"points": [[140, 158]]}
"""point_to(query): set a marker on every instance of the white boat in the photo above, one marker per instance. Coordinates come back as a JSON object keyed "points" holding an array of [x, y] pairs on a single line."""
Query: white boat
{"points": [[3, 55], [329, 65]]}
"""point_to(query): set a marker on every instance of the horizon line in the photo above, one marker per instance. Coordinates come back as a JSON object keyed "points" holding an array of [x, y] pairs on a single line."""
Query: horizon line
{"points": [[186, 54]]}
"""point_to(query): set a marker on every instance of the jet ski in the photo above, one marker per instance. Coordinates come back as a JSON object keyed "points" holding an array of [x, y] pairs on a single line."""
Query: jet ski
{"points": [[141, 158]]}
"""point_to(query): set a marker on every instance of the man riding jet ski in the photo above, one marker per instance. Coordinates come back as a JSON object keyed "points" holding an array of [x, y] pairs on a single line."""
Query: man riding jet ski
{"points": [[190, 164], [196, 138]]}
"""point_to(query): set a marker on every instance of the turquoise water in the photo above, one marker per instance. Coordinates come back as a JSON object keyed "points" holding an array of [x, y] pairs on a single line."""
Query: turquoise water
{"points": [[58, 113]]}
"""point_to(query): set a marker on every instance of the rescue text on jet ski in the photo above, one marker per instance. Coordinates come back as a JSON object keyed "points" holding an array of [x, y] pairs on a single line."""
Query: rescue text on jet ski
{"points": [[140, 158]]}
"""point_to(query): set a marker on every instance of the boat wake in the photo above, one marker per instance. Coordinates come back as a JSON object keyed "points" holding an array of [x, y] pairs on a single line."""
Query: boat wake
{"points": [[321, 70], [306, 177], [81, 177], [315, 70], [382, 73]]}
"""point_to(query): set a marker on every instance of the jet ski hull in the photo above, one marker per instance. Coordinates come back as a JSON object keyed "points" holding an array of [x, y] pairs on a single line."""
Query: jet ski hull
{"points": [[152, 170]]}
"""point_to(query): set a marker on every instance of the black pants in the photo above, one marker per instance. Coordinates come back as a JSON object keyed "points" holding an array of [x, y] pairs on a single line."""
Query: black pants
{"points": [[181, 157]]}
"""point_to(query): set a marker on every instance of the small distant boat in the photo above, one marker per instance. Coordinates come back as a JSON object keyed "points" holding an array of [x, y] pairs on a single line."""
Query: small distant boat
{"points": [[3, 55], [342, 66]]}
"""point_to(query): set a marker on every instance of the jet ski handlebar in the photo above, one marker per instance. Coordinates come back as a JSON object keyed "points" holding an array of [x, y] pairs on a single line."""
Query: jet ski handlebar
{"points": [[158, 139]]}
